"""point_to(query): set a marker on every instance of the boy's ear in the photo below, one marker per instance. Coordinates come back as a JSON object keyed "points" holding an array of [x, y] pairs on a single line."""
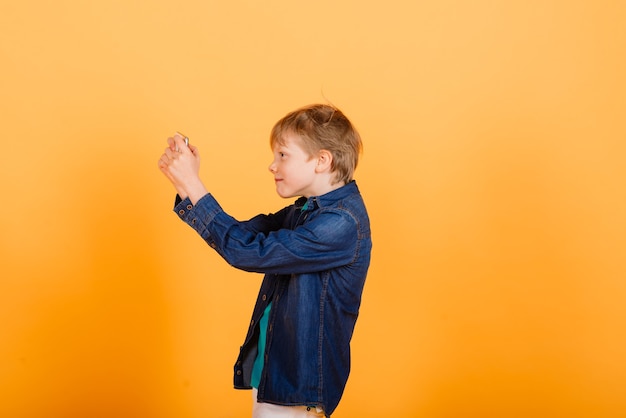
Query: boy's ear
{"points": [[324, 161]]}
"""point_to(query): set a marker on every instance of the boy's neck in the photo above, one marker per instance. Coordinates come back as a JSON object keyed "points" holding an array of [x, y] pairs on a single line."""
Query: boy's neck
{"points": [[326, 188]]}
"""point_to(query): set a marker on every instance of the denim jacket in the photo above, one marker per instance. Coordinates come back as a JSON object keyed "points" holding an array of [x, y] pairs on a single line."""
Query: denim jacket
{"points": [[315, 254]]}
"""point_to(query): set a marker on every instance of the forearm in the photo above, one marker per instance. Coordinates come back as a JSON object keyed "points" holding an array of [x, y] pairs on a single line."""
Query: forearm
{"points": [[193, 189]]}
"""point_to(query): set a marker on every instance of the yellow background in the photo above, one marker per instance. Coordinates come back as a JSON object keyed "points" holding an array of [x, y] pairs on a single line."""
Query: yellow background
{"points": [[493, 171]]}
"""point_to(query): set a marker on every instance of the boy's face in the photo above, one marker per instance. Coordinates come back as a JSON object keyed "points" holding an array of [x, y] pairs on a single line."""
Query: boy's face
{"points": [[293, 169]]}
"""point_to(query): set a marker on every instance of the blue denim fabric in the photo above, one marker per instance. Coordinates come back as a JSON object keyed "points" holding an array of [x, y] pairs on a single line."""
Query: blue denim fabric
{"points": [[315, 262]]}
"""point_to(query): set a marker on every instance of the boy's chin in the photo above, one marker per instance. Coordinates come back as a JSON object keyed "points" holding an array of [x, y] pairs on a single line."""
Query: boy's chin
{"points": [[286, 194]]}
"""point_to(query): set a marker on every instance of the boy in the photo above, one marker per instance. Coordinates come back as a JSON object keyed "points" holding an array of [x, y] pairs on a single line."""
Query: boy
{"points": [[314, 253]]}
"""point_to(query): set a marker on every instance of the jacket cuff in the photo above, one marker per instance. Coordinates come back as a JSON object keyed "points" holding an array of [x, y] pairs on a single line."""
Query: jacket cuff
{"points": [[200, 215]]}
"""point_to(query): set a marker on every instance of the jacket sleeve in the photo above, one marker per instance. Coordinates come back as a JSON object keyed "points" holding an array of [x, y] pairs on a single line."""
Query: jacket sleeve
{"points": [[327, 240]]}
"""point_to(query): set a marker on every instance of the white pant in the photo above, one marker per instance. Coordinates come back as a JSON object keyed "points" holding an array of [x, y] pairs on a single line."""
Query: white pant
{"points": [[268, 410]]}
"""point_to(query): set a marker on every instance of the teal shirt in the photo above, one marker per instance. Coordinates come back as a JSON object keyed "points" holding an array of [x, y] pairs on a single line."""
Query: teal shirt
{"points": [[259, 361], [257, 368]]}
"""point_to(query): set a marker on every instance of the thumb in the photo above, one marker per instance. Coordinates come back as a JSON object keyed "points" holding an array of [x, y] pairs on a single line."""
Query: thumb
{"points": [[181, 142]]}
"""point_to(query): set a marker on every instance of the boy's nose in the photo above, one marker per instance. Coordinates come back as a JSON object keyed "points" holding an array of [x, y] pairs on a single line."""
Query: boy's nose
{"points": [[272, 167]]}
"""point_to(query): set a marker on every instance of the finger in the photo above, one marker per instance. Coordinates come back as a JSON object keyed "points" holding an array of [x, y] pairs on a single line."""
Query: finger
{"points": [[180, 144], [164, 162], [184, 137], [170, 154], [181, 136], [165, 169], [171, 143]]}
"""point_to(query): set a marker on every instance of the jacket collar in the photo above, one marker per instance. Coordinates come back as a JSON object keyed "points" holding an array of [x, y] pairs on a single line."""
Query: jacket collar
{"points": [[327, 199]]}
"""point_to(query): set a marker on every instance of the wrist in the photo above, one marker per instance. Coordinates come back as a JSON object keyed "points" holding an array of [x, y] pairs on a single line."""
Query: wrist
{"points": [[181, 193], [195, 192]]}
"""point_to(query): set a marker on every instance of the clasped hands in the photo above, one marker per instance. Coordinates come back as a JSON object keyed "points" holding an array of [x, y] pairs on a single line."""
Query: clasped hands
{"points": [[180, 163]]}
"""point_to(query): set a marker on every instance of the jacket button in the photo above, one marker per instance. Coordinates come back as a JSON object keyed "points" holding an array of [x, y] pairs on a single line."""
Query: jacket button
{"points": [[189, 207], [252, 322], [181, 212], [213, 245], [238, 372], [264, 297]]}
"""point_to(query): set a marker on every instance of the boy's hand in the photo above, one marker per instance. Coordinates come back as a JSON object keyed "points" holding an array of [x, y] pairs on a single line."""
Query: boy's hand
{"points": [[181, 165]]}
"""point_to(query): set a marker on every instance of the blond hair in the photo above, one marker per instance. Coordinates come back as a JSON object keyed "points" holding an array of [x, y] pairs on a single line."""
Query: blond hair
{"points": [[323, 127]]}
